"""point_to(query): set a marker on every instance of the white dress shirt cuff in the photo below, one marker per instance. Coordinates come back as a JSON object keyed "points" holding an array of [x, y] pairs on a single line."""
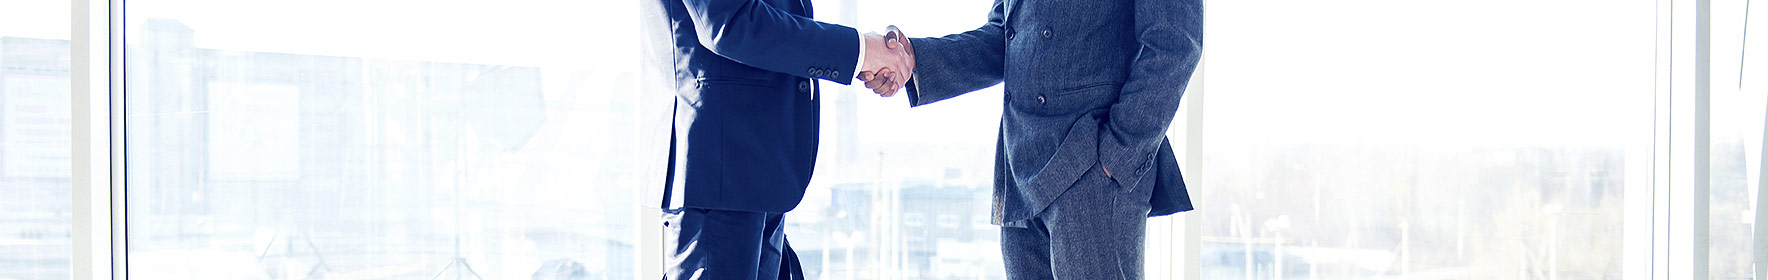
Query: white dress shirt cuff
{"points": [[859, 63]]}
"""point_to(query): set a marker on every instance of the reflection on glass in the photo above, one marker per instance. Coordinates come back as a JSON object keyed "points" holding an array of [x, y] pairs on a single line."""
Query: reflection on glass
{"points": [[35, 167], [1351, 160], [246, 164], [1453, 146], [36, 137], [1738, 95]]}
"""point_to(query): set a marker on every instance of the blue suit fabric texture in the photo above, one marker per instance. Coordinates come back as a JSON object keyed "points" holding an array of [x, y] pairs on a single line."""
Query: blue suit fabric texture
{"points": [[1090, 87], [724, 244], [743, 127]]}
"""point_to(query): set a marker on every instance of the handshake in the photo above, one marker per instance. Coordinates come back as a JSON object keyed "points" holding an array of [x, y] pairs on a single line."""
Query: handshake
{"points": [[889, 61]]}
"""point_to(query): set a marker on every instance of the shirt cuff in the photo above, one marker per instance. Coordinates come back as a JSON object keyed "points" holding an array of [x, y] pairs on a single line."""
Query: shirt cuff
{"points": [[859, 63]]}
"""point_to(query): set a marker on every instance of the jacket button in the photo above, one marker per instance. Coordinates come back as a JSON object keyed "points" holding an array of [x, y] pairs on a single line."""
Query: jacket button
{"points": [[814, 72], [1040, 99], [1046, 33], [1009, 33], [803, 86]]}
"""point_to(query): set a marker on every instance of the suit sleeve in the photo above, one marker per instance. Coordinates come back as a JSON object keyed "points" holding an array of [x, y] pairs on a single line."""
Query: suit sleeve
{"points": [[754, 33], [949, 66], [1171, 36]]}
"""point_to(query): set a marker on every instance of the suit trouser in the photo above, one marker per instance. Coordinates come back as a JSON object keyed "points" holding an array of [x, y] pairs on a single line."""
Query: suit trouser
{"points": [[1094, 230], [722, 244]]}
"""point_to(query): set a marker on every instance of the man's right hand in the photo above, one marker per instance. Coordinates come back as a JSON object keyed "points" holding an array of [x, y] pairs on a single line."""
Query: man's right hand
{"points": [[889, 62]]}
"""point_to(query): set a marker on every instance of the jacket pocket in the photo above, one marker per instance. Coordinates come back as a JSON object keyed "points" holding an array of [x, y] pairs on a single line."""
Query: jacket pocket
{"points": [[1093, 87], [717, 81], [1077, 100]]}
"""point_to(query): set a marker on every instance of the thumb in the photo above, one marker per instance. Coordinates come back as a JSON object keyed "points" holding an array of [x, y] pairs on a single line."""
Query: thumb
{"points": [[893, 37]]}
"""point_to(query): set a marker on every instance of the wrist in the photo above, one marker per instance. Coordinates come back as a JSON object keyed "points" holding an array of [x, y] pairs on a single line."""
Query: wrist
{"points": [[869, 44]]}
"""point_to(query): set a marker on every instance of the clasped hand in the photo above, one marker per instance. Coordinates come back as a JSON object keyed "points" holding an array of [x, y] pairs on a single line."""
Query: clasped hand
{"points": [[889, 61]]}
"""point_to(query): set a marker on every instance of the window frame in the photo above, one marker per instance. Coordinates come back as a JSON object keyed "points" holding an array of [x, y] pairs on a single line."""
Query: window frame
{"points": [[97, 58]]}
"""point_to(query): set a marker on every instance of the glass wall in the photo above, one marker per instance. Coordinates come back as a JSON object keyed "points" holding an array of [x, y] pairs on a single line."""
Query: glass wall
{"points": [[902, 193], [1423, 140], [410, 139], [35, 139], [1738, 92], [1474, 139], [381, 139]]}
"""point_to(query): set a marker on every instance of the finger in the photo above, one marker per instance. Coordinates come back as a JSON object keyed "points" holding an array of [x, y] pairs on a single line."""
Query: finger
{"points": [[864, 75], [878, 78], [902, 41], [894, 36], [885, 86], [893, 88], [894, 85], [875, 82], [883, 81], [888, 75]]}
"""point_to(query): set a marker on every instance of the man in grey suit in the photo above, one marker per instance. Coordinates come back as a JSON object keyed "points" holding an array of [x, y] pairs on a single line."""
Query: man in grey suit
{"points": [[1082, 158]]}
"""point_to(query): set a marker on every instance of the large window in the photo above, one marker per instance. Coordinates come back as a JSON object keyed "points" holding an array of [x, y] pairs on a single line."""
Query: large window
{"points": [[1423, 140], [1343, 140], [902, 193], [35, 136], [495, 140], [1740, 95], [380, 139]]}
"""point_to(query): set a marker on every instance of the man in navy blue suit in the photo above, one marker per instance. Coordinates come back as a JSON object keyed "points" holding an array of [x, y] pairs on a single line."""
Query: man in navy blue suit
{"points": [[1082, 158], [743, 133]]}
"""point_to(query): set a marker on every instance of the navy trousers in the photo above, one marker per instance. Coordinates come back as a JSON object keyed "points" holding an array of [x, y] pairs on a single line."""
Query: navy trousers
{"points": [[1094, 230], [710, 244]]}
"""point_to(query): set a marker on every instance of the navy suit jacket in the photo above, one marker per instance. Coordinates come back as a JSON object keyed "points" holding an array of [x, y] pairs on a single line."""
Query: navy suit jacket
{"points": [[743, 132], [1089, 83]]}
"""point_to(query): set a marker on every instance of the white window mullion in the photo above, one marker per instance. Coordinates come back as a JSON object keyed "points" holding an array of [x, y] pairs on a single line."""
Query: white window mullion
{"points": [[1686, 233], [1644, 243], [1189, 225], [98, 242], [1760, 248]]}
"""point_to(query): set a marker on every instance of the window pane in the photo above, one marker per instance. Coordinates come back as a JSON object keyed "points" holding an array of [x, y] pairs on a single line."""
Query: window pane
{"points": [[1738, 103], [380, 139], [1407, 139], [901, 193], [36, 206]]}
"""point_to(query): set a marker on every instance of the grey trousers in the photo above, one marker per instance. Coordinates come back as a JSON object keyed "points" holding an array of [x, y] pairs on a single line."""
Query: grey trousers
{"points": [[1094, 230]]}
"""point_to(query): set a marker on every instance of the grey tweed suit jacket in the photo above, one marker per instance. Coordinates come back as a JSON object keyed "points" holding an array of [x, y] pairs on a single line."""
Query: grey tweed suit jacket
{"points": [[1089, 84]]}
